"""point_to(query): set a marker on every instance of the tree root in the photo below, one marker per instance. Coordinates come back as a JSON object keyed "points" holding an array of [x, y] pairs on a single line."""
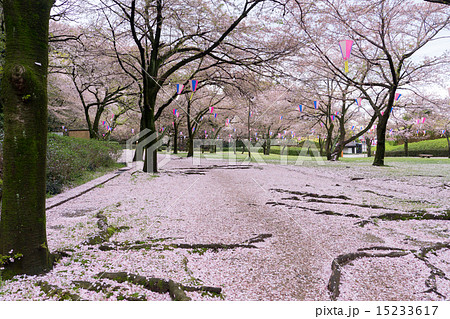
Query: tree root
{"points": [[213, 247], [420, 215], [306, 194], [162, 286], [342, 260], [51, 291], [196, 247], [417, 215], [105, 232], [435, 271], [378, 194], [313, 200], [97, 286], [258, 239]]}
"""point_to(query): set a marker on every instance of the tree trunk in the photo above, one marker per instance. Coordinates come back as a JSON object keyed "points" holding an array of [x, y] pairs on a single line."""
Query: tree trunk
{"points": [[189, 128], [267, 146], [381, 131], [150, 92], [405, 146], [190, 146], [381, 140], [341, 142], [24, 92], [151, 153], [94, 130], [321, 146], [329, 142], [369, 147], [448, 143], [175, 138]]}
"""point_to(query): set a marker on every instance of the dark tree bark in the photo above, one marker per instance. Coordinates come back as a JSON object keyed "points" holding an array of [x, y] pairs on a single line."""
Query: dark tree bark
{"points": [[447, 2], [369, 147], [448, 142], [189, 128], [267, 142], [175, 137], [339, 147], [405, 147], [24, 92], [321, 144], [381, 137], [329, 141]]}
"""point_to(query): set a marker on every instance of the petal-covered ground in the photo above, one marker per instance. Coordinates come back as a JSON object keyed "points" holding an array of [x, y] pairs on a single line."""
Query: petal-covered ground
{"points": [[258, 232]]}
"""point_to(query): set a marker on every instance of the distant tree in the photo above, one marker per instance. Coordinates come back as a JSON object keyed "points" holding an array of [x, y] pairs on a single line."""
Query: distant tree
{"points": [[170, 36], [23, 241], [98, 81], [386, 34]]}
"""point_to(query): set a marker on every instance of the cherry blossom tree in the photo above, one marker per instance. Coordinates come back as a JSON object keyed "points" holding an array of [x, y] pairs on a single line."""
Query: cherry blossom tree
{"points": [[386, 35], [171, 35]]}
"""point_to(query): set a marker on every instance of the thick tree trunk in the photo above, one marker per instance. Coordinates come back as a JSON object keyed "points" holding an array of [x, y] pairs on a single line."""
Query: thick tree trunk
{"points": [[381, 141], [329, 143], [24, 92], [340, 144], [148, 121], [94, 131], [88, 121], [369, 147], [150, 92], [190, 146], [339, 147], [267, 146], [381, 131], [405, 147]]}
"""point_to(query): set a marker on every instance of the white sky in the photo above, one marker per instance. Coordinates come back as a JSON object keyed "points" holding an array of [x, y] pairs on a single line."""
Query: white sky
{"points": [[436, 48]]}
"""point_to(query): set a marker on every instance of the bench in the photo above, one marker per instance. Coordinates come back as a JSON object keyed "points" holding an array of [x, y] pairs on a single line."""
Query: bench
{"points": [[210, 148], [425, 155]]}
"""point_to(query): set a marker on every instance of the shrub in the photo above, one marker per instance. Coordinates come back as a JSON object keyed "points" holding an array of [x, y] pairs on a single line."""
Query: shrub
{"points": [[294, 150], [68, 158], [438, 148]]}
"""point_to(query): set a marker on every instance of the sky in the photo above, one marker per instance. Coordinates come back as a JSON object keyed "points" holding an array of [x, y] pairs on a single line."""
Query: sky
{"points": [[436, 48]]}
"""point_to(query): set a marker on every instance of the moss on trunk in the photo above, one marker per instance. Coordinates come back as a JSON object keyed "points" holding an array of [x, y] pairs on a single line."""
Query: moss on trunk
{"points": [[24, 93]]}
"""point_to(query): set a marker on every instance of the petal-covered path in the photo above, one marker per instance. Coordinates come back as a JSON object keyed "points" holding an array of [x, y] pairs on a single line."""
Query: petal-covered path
{"points": [[258, 232]]}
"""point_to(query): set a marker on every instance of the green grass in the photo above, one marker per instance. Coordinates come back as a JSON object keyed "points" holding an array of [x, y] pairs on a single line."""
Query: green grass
{"points": [[292, 160], [387, 160], [88, 176], [438, 147]]}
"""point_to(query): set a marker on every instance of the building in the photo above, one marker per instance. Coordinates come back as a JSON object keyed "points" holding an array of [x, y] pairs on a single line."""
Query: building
{"points": [[354, 148], [80, 133]]}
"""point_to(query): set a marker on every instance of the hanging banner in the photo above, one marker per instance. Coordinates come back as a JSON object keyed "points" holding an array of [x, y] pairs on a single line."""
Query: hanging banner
{"points": [[346, 49]]}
